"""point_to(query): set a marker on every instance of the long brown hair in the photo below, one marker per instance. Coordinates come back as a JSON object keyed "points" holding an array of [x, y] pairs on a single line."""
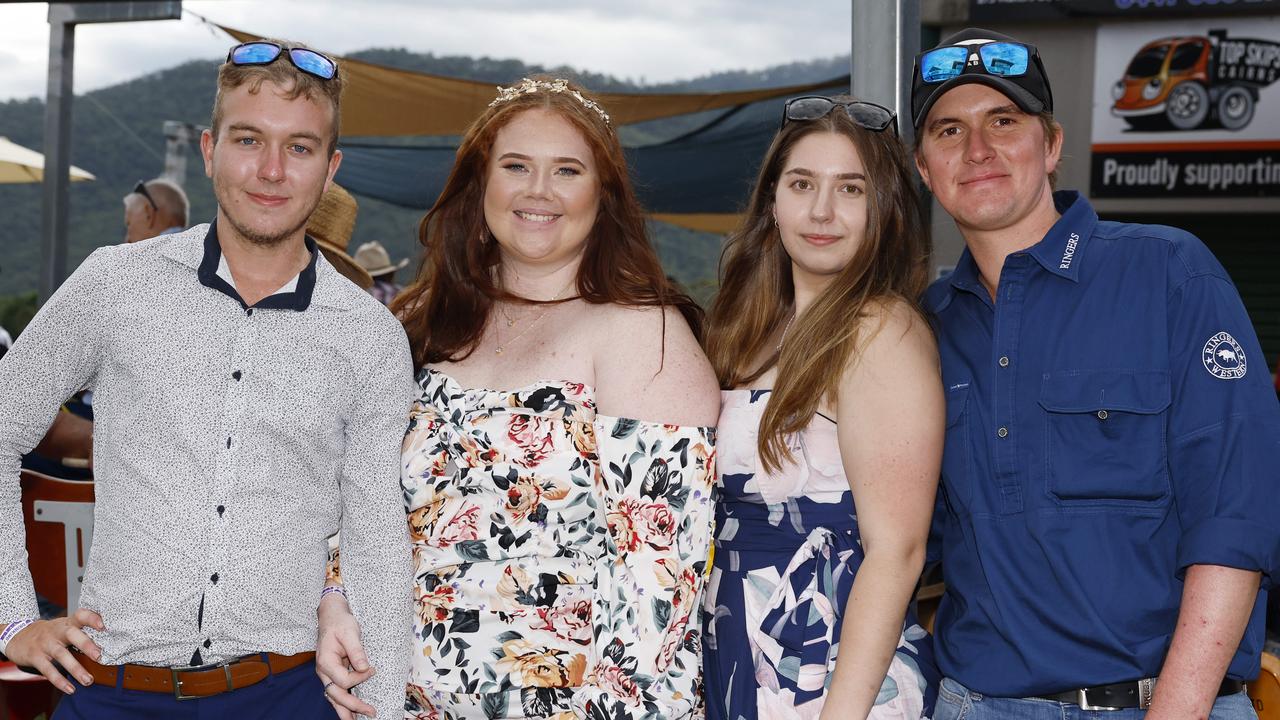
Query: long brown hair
{"points": [[445, 310], [757, 296]]}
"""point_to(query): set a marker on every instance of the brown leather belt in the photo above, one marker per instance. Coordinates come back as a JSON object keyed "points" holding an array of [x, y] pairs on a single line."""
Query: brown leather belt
{"points": [[188, 683]]}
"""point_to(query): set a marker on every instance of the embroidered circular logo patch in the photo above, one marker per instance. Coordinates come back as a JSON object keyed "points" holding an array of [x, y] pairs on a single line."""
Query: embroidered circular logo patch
{"points": [[1223, 357]]}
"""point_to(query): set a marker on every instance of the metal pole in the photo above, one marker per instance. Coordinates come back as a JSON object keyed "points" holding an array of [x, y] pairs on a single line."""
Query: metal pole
{"points": [[63, 18], [886, 39], [57, 149]]}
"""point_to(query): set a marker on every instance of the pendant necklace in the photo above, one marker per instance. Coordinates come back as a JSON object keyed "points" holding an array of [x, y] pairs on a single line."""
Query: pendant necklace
{"points": [[503, 345], [785, 330]]}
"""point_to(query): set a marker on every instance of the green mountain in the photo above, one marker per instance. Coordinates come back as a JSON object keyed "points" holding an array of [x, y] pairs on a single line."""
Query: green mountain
{"points": [[117, 134]]}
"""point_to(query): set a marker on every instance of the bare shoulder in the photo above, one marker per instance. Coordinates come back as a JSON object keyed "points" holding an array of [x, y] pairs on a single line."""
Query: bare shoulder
{"points": [[892, 385], [893, 330], [649, 366]]}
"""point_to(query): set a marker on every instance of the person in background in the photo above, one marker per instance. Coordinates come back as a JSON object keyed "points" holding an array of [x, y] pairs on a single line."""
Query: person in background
{"points": [[1109, 504], [558, 466], [830, 436], [155, 207], [374, 259]]}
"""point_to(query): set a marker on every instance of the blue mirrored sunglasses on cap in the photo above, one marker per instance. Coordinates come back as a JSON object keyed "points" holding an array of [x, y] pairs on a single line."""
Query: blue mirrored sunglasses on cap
{"points": [[1002, 59], [262, 52], [814, 107]]}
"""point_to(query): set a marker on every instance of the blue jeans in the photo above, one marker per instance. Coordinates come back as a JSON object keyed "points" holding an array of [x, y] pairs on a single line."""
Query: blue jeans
{"points": [[296, 693], [956, 702]]}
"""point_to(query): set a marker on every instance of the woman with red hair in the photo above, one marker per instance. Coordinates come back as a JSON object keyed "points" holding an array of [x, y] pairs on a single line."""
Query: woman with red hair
{"points": [[559, 460]]}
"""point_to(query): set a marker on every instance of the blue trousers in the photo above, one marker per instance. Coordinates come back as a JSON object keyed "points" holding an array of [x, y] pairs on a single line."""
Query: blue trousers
{"points": [[293, 694], [956, 702]]}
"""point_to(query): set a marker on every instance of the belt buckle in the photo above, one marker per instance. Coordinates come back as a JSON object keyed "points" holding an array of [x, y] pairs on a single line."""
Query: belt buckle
{"points": [[177, 684], [1082, 699]]}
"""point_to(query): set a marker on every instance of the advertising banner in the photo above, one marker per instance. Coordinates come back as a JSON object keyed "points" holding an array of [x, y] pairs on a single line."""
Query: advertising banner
{"points": [[1187, 108], [1016, 10]]}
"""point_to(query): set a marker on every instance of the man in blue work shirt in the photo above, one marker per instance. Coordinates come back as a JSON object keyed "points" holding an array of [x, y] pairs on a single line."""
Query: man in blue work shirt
{"points": [[1108, 504]]}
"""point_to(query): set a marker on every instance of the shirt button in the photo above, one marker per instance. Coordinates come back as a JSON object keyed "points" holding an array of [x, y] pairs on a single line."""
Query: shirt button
{"points": [[1102, 414], [214, 578], [236, 375], [221, 509], [249, 312], [228, 443], [1004, 361], [1003, 432], [208, 643]]}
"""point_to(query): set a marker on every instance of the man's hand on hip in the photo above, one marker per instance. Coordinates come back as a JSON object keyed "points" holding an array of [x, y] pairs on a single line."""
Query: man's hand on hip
{"points": [[45, 642]]}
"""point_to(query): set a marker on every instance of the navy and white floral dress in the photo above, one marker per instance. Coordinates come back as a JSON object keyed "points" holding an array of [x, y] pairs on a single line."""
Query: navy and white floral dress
{"points": [[786, 551]]}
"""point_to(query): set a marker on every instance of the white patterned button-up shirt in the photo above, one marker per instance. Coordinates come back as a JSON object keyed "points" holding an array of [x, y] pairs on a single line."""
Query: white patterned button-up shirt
{"points": [[229, 442]]}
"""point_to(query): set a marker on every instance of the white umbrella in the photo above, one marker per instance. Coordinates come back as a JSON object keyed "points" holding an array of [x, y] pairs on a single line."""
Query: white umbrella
{"points": [[20, 165]]}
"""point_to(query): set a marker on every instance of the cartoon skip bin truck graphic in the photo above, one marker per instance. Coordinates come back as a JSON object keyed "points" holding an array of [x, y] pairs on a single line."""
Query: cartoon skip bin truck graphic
{"points": [[1181, 83]]}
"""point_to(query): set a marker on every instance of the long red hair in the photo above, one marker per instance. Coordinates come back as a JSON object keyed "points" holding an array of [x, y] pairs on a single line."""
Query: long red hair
{"points": [[445, 310]]}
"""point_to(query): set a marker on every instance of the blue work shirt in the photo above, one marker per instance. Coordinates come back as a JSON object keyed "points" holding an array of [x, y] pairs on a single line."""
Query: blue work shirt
{"points": [[1110, 422]]}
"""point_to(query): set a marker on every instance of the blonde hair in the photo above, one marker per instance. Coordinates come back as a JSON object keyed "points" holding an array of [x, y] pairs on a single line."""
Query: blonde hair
{"points": [[288, 78]]}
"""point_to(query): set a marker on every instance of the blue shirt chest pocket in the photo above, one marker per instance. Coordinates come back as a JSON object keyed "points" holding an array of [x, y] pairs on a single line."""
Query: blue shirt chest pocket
{"points": [[1105, 435]]}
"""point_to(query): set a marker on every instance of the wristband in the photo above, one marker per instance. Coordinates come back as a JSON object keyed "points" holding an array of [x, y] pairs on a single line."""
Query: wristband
{"points": [[334, 589], [11, 630]]}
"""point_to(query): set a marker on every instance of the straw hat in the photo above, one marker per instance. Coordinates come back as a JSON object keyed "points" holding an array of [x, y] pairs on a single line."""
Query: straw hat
{"points": [[374, 258], [330, 226]]}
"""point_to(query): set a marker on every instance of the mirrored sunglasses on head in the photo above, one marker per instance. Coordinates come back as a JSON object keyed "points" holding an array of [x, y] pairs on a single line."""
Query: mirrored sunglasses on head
{"points": [[262, 52], [141, 189], [999, 58], [871, 116]]}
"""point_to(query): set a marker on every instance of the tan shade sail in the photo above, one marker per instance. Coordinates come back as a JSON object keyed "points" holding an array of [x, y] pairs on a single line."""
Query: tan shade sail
{"points": [[383, 101], [720, 223], [21, 165]]}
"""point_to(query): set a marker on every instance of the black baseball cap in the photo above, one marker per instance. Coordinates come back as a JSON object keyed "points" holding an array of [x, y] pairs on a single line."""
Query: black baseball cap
{"points": [[1029, 91]]}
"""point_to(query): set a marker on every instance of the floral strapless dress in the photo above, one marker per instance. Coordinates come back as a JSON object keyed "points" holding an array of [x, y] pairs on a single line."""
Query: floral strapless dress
{"points": [[559, 556]]}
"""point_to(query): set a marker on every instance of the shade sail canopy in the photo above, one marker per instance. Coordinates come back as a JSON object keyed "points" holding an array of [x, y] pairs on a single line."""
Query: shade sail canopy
{"points": [[379, 101], [700, 180], [400, 129], [21, 165]]}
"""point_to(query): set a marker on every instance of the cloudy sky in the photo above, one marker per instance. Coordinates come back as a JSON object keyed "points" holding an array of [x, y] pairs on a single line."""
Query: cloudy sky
{"points": [[657, 40]]}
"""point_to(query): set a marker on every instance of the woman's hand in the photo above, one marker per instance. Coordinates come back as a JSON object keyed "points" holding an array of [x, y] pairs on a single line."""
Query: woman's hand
{"points": [[341, 661]]}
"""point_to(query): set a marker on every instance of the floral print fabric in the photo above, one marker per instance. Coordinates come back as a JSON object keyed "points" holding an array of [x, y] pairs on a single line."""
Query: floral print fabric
{"points": [[787, 550], [559, 556]]}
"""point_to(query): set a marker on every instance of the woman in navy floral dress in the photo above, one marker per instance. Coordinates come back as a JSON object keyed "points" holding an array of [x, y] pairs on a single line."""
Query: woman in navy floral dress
{"points": [[830, 432]]}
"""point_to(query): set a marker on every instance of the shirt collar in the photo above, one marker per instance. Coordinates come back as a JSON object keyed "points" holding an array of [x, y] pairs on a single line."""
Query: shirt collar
{"points": [[1061, 250], [965, 276], [298, 299], [224, 272], [1070, 233]]}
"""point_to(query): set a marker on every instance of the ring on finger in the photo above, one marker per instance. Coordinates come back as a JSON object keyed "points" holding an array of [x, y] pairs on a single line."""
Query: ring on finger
{"points": [[326, 688]]}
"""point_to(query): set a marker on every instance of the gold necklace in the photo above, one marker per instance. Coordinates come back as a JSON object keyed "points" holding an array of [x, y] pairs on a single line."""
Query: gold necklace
{"points": [[785, 330], [503, 345]]}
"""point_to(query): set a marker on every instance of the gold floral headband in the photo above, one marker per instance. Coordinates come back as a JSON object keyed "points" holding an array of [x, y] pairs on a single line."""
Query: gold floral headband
{"points": [[528, 87]]}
